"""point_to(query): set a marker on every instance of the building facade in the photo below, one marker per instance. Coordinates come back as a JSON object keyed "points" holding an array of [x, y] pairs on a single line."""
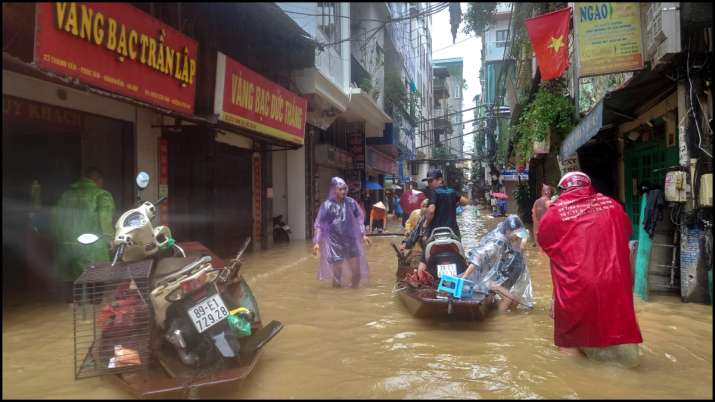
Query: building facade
{"points": [[204, 120]]}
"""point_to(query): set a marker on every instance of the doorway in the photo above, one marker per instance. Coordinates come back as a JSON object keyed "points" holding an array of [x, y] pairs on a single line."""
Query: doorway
{"points": [[210, 190], [45, 149]]}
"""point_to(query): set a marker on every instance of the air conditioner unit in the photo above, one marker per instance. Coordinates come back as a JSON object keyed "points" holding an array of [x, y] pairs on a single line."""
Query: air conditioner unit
{"points": [[662, 31]]}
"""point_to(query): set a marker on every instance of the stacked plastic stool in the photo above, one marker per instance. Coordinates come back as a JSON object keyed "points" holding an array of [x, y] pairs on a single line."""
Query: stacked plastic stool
{"points": [[457, 287]]}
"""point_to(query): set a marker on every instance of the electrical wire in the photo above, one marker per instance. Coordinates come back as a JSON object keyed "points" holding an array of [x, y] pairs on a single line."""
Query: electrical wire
{"points": [[456, 43], [431, 11], [692, 104]]}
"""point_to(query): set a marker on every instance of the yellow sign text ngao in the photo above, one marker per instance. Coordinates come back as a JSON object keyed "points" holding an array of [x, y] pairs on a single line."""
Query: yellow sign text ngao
{"points": [[608, 37]]}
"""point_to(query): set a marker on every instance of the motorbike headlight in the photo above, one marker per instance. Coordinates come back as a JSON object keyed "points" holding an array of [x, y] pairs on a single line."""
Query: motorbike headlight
{"points": [[135, 219]]}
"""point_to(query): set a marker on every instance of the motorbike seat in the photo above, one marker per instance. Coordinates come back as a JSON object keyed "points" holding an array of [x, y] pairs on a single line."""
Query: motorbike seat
{"points": [[170, 265], [444, 245]]}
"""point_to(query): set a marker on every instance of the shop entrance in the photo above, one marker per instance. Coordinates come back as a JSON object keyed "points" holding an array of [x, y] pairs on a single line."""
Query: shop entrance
{"points": [[209, 190], [600, 161], [45, 149], [646, 163]]}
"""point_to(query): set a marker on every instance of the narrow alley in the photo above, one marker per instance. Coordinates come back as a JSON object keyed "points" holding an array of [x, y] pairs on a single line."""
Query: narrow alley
{"points": [[363, 343]]}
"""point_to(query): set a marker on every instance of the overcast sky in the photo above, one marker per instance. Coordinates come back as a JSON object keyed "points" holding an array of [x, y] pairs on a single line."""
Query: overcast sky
{"points": [[468, 48]]}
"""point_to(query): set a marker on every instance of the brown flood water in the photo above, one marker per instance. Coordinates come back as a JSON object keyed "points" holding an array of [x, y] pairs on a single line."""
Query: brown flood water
{"points": [[347, 343]]}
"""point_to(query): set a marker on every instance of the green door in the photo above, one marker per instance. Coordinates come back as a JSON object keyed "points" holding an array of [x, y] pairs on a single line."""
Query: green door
{"points": [[645, 163]]}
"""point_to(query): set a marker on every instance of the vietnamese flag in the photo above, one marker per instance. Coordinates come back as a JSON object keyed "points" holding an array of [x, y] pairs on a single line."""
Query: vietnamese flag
{"points": [[549, 34]]}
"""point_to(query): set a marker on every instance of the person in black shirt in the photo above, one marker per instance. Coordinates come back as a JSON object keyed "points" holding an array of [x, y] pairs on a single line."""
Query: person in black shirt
{"points": [[443, 202]]}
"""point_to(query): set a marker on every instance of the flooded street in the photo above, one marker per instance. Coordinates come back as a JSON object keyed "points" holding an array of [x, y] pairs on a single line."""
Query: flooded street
{"points": [[345, 343]]}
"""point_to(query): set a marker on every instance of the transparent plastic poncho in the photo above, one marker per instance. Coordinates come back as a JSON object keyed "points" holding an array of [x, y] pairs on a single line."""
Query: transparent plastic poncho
{"points": [[339, 230], [499, 262]]}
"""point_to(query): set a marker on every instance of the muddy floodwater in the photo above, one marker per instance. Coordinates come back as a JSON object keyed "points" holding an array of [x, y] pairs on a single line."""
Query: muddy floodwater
{"points": [[347, 343]]}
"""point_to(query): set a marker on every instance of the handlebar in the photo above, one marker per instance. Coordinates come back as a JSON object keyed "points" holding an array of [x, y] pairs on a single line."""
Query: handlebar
{"points": [[160, 200]]}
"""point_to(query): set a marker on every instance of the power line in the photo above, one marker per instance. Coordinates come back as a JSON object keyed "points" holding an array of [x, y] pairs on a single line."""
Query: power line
{"points": [[406, 16], [431, 11], [456, 43], [454, 123], [450, 138]]}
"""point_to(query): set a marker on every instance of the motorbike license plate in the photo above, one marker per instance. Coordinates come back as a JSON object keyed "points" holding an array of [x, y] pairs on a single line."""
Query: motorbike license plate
{"points": [[446, 269], [208, 313]]}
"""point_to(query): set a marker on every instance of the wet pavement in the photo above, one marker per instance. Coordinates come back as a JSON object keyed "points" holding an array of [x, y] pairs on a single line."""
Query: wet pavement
{"points": [[347, 343]]}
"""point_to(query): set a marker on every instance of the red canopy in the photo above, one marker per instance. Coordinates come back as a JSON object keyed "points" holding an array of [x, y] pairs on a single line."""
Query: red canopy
{"points": [[500, 195], [411, 200], [586, 236]]}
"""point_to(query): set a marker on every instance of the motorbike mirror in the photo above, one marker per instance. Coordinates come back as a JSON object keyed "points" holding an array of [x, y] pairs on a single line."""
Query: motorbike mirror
{"points": [[142, 180], [87, 238]]}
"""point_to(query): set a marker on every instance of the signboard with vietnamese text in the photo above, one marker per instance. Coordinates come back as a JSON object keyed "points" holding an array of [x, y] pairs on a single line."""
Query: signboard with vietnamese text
{"points": [[246, 99], [118, 48], [23, 109], [569, 164], [355, 136], [608, 37], [380, 162]]}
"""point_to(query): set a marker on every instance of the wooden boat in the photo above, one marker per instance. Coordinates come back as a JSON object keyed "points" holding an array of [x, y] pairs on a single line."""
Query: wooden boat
{"points": [[428, 303], [166, 374]]}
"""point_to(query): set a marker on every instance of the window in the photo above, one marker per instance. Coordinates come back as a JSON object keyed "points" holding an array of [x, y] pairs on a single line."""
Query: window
{"points": [[501, 37], [329, 22]]}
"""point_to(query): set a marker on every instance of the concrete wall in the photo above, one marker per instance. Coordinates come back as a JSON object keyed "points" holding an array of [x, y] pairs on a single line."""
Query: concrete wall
{"points": [[511, 205], [280, 193], [366, 54], [296, 193], [335, 67], [147, 141], [493, 53]]}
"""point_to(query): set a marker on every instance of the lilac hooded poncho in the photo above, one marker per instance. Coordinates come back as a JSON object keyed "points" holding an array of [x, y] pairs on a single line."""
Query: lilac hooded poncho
{"points": [[339, 230]]}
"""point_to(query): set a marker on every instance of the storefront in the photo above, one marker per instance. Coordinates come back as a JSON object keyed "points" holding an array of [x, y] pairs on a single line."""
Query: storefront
{"points": [[627, 140], [45, 149], [231, 163], [627, 144], [74, 99]]}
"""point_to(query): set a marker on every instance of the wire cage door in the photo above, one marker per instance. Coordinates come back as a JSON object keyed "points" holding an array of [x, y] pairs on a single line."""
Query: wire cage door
{"points": [[112, 319]]}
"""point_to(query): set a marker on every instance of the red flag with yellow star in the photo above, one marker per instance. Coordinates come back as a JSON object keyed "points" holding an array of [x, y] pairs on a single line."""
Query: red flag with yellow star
{"points": [[549, 34]]}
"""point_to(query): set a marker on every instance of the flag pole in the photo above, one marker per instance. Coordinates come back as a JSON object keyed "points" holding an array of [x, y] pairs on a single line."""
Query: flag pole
{"points": [[574, 62]]}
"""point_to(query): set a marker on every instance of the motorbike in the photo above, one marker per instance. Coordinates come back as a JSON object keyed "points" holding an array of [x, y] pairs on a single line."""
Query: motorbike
{"points": [[281, 231], [201, 310], [444, 254]]}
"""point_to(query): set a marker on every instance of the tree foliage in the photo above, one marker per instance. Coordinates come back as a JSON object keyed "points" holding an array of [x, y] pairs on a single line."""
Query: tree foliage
{"points": [[478, 17], [396, 97], [592, 89], [550, 113]]}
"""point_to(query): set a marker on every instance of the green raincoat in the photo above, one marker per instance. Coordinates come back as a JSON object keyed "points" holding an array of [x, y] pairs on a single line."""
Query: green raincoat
{"points": [[84, 208]]}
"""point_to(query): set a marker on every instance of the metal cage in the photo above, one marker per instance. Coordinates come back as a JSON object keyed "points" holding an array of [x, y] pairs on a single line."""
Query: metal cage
{"points": [[112, 319]]}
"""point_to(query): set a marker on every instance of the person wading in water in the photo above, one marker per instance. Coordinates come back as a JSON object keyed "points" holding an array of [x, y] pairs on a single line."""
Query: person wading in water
{"points": [[339, 233]]}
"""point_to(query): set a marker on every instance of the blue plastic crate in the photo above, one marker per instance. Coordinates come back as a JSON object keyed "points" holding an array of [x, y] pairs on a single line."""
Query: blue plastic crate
{"points": [[457, 287]]}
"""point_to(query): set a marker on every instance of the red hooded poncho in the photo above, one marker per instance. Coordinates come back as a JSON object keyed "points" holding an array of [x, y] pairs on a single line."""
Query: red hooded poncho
{"points": [[586, 236]]}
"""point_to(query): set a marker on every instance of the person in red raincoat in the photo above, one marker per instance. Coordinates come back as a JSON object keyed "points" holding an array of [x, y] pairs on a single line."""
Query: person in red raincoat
{"points": [[585, 234]]}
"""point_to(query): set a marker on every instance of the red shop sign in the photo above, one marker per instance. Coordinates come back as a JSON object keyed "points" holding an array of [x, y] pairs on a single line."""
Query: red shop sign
{"points": [[247, 99], [118, 48]]}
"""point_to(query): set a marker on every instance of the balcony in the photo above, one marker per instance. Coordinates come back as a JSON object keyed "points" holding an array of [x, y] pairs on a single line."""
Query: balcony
{"points": [[331, 156], [362, 107]]}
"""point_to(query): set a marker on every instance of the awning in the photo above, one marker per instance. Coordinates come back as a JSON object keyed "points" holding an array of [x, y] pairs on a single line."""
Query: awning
{"points": [[618, 107], [371, 185]]}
